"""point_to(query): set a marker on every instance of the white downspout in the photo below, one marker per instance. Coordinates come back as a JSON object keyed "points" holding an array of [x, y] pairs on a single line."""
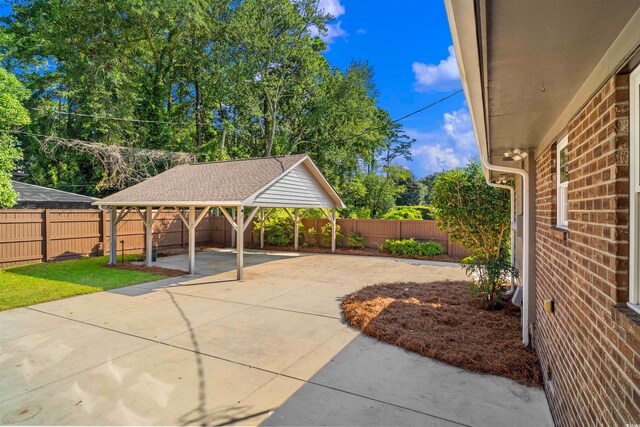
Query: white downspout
{"points": [[512, 200], [525, 238]]}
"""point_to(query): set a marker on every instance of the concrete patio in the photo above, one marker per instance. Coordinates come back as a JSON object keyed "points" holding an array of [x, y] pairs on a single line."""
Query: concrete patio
{"points": [[272, 349]]}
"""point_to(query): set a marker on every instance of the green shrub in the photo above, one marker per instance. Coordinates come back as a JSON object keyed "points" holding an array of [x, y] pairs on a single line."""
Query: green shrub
{"points": [[408, 212], [356, 240], [489, 279], [411, 247], [278, 230], [325, 231]]}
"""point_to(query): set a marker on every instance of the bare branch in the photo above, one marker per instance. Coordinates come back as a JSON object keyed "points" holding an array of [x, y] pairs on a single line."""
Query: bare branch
{"points": [[121, 166]]}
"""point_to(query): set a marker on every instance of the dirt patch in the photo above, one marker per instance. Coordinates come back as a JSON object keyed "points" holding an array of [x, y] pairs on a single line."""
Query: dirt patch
{"points": [[169, 272], [359, 252], [440, 321]]}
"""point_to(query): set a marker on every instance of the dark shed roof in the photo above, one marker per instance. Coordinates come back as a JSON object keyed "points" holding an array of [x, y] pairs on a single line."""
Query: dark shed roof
{"points": [[37, 197]]}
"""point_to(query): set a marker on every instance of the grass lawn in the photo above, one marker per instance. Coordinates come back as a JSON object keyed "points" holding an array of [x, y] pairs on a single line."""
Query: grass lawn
{"points": [[36, 283]]}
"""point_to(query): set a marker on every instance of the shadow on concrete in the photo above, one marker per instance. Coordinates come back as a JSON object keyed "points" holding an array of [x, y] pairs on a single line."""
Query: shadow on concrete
{"points": [[372, 383], [209, 265]]}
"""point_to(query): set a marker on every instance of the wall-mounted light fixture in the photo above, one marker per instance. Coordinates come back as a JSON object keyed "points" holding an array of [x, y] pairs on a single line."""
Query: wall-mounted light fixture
{"points": [[515, 155]]}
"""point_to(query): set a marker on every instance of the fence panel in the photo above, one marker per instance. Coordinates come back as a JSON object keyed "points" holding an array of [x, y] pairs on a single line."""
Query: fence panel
{"points": [[21, 236], [34, 235]]}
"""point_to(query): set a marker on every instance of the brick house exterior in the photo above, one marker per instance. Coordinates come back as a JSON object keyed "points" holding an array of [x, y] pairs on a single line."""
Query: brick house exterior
{"points": [[590, 346], [543, 78]]}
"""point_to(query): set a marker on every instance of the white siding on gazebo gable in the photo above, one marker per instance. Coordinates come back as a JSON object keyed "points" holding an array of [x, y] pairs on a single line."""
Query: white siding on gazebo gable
{"points": [[297, 188]]}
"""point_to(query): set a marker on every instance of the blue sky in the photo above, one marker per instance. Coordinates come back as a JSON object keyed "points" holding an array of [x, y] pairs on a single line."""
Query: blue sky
{"points": [[410, 49]]}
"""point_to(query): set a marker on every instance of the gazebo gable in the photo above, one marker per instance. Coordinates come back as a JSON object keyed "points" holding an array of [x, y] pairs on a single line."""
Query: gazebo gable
{"points": [[302, 186]]}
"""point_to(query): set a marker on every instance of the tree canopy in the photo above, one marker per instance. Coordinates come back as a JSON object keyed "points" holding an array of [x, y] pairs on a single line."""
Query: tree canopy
{"points": [[12, 116], [213, 79], [476, 215]]}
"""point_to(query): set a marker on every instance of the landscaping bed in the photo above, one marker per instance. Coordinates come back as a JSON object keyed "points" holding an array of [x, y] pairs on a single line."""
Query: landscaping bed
{"points": [[440, 321], [359, 252]]}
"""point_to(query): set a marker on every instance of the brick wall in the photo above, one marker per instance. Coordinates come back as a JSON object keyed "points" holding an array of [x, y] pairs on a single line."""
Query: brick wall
{"points": [[590, 346]]}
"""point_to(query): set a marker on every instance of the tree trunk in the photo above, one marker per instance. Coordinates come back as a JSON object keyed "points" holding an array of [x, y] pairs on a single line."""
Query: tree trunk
{"points": [[198, 116], [272, 134]]}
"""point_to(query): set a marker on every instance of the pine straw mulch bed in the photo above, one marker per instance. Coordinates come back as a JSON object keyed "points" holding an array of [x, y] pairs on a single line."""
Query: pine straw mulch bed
{"points": [[358, 252], [440, 321], [169, 272]]}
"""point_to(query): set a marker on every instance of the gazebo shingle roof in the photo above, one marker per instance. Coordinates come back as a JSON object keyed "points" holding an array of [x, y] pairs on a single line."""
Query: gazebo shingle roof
{"points": [[227, 181]]}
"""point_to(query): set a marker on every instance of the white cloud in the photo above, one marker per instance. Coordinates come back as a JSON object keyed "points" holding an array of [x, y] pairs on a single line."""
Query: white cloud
{"points": [[334, 30], [331, 7], [441, 77], [436, 157], [361, 31], [458, 126], [450, 146]]}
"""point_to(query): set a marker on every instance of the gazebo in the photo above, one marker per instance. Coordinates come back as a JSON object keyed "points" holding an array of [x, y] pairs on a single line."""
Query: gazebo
{"points": [[247, 187]]}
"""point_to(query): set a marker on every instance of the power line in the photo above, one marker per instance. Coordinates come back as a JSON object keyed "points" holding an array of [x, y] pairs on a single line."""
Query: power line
{"points": [[428, 106], [124, 119]]}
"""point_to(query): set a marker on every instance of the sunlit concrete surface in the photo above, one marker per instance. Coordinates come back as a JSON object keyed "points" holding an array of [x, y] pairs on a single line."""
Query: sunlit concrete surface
{"points": [[207, 349]]}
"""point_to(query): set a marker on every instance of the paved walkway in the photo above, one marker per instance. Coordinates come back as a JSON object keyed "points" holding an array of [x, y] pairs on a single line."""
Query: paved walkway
{"points": [[209, 350]]}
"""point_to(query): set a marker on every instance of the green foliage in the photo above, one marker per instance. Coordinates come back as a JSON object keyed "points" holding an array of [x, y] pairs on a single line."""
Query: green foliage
{"points": [[279, 230], [489, 280], [12, 116], [220, 78], [476, 215], [414, 248], [356, 240], [325, 232], [408, 212]]}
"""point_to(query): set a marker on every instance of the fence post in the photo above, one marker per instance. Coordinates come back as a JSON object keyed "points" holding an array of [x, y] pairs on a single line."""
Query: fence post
{"points": [[448, 244], [399, 229], [102, 232], [47, 236]]}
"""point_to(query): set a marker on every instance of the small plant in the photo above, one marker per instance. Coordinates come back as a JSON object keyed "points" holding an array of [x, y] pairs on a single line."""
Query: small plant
{"points": [[356, 240], [414, 248], [489, 280], [325, 231], [278, 231]]}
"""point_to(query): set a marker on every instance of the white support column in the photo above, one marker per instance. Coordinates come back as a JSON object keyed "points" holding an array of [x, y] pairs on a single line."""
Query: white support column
{"points": [[233, 236], [333, 229], [113, 237], [262, 228], [192, 239], [148, 234], [240, 243], [296, 222]]}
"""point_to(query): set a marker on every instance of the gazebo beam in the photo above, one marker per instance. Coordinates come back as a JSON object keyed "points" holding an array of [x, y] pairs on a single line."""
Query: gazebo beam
{"points": [[262, 218], [240, 243], [192, 239], [113, 235], [148, 235]]}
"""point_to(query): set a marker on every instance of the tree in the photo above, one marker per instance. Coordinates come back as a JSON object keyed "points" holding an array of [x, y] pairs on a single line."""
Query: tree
{"points": [[216, 79], [476, 215], [12, 116]]}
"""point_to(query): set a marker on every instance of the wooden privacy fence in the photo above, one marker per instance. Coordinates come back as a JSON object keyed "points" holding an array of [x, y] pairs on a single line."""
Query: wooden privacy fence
{"points": [[376, 231], [37, 235]]}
